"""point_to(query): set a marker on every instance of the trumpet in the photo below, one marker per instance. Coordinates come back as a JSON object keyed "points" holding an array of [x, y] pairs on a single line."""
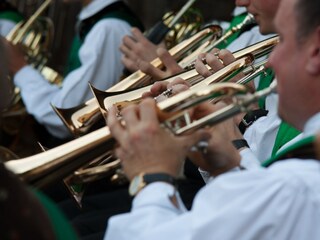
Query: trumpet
{"points": [[245, 58], [80, 119], [51, 165], [97, 170], [47, 167], [188, 62]]}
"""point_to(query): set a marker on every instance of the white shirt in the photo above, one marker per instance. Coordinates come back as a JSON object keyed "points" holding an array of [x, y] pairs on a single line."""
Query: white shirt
{"points": [[279, 202], [6, 26], [263, 131], [101, 66]]}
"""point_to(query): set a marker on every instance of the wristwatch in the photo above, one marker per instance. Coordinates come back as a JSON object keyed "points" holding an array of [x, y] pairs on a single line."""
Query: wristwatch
{"points": [[143, 179]]}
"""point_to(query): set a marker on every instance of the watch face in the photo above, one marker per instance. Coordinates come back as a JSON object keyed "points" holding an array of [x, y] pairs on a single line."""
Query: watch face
{"points": [[136, 185]]}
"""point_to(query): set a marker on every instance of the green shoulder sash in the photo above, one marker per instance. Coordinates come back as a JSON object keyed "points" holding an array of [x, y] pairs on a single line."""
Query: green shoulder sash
{"points": [[303, 149]]}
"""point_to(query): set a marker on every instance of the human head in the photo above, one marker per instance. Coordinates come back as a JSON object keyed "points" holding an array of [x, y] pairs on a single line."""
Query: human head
{"points": [[296, 60], [264, 12]]}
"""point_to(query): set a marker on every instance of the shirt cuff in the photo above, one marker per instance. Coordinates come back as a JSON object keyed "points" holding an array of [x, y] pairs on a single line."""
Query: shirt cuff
{"points": [[158, 193], [25, 75]]}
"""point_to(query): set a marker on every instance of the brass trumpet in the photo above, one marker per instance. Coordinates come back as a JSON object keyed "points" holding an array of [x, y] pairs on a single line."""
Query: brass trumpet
{"points": [[58, 163], [188, 62], [80, 119], [54, 164], [97, 169], [245, 58]]}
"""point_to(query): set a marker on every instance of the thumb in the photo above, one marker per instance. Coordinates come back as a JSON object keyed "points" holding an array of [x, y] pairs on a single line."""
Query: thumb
{"points": [[202, 135]]}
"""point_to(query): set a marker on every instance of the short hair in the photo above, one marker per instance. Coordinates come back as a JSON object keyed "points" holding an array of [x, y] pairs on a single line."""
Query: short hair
{"points": [[308, 17]]}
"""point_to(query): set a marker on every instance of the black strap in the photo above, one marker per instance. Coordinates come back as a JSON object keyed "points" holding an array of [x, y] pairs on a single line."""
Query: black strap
{"points": [[240, 143], [159, 177], [250, 118]]}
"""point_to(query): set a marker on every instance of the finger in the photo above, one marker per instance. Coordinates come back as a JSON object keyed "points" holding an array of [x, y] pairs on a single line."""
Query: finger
{"points": [[130, 116], [129, 64], [200, 66], [226, 56], [192, 140], [159, 87], [179, 88], [115, 126], [169, 62], [129, 42], [148, 111], [147, 95], [178, 80], [214, 62], [137, 34], [128, 52], [149, 69]]}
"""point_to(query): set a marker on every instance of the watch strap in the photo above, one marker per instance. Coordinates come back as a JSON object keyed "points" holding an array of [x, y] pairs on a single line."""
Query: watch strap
{"points": [[240, 143], [158, 177], [143, 179]]}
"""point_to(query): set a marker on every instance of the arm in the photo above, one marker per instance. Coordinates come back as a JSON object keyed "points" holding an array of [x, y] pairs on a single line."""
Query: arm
{"points": [[101, 66], [216, 211]]}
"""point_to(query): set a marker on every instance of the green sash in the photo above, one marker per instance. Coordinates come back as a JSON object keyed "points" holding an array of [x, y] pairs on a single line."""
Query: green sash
{"points": [[235, 21], [11, 15], [285, 133], [301, 149]]}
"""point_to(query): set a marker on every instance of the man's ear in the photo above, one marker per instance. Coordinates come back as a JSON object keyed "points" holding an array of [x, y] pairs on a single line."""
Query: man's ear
{"points": [[313, 62]]}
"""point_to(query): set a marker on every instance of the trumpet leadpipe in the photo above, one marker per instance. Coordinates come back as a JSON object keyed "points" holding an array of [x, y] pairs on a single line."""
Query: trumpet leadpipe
{"points": [[242, 105]]}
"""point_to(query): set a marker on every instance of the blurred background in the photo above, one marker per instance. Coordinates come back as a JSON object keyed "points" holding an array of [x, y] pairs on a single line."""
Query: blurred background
{"points": [[64, 15]]}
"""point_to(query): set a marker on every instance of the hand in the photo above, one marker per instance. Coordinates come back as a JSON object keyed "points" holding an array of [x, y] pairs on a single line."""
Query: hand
{"points": [[137, 48], [176, 86], [145, 146], [171, 66], [216, 59], [220, 155], [16, 57]]}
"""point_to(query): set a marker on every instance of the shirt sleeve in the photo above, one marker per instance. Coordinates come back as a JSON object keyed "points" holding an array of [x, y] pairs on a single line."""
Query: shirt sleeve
{"points": [[6, 26], [231, 207], [100, 65]]}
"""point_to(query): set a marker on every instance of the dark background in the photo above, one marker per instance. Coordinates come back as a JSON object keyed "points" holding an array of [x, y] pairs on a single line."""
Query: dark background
{"points": [[64, 15]]}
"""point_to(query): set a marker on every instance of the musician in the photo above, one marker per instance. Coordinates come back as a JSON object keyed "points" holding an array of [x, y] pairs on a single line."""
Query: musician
{"points": [[279, 202], [266, 133], [136, 57], [94, 58]]}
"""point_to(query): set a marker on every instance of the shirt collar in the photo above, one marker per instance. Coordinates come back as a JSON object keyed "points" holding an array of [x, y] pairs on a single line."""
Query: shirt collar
{"points": [[94, 7], [312, 126]]}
